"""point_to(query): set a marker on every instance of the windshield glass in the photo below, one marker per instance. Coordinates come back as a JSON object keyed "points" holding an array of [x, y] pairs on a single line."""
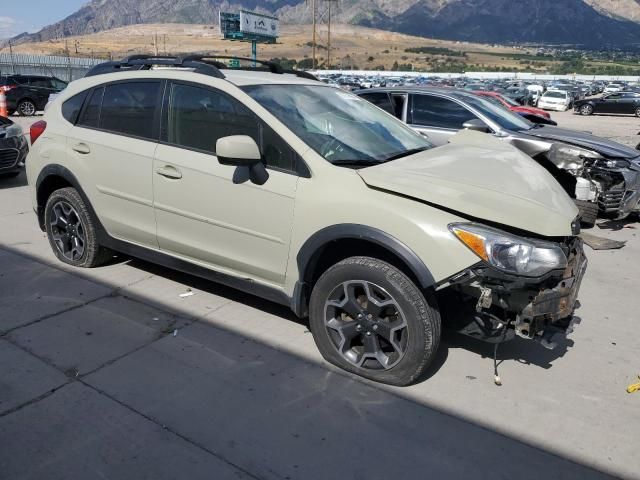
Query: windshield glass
{"points": [[499, 114], [343, 128], [555, 95], [511, 102]]}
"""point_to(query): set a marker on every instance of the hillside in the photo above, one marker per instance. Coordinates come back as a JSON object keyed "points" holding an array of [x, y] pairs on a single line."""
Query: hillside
{"points": [[490, 21]]}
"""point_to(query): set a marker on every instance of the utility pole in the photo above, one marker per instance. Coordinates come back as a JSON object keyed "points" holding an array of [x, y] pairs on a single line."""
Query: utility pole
{"points": [[313, 9], [329, 41], [13, 65]]}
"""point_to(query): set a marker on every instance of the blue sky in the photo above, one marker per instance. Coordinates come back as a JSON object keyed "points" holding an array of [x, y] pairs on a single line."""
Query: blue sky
{"points": [[17, 16]]}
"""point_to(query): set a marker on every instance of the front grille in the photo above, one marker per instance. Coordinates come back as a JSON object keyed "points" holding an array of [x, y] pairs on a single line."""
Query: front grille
{"points": [[9, 157], [611, 200]]}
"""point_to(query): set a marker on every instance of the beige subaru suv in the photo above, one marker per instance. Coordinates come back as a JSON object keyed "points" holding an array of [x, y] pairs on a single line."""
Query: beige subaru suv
{"points": [[277, 184]]}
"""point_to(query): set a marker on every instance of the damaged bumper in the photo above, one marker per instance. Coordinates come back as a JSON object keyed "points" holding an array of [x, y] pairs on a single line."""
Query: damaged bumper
{"points": [[498, 307]]}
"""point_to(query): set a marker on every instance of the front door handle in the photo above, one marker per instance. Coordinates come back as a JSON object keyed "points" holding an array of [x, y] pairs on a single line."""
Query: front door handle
{"points": [[169, 172], [82, 148]]}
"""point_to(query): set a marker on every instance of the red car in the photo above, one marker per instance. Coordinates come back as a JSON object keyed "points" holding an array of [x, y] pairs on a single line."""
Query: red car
{"points": [[512, 105]]}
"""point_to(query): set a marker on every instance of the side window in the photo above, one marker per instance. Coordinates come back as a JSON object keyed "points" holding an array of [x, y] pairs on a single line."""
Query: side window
{"points": [[39, 82], [71, 108], [198, 117], [438, 112], [90, 116], [381, 100], [130, 108]]}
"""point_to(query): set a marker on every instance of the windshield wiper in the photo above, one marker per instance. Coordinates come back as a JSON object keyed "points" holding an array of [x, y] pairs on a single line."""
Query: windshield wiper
{"points": [[406, 153], [356, 163]]}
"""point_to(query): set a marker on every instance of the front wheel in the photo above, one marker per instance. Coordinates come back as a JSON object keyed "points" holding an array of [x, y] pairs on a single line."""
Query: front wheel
{"points": [[638, 112], [586, 110], [369, 318]]}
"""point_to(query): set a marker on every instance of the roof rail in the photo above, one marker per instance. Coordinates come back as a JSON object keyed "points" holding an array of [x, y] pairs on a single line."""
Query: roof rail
{"points": [[145, 62], [204, 64]]}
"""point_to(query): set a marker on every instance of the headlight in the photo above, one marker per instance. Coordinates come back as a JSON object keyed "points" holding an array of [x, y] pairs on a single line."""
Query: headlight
{"points": [[13, 131], [510, 253], [569, 157]]}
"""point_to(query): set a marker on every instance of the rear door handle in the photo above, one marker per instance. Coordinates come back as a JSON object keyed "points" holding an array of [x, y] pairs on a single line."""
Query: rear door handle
{"points": [[169, 172], [82, 148]]}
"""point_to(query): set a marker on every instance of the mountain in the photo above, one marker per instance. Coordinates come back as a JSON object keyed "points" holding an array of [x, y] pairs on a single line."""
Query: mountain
{"points": [[588, 22]]}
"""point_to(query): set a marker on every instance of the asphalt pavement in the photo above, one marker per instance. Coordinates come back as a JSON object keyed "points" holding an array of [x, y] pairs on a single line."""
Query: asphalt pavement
{"points": [[110, 373]]}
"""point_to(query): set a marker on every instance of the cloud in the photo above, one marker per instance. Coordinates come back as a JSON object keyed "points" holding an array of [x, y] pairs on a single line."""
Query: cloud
{"points": [[8, 27]]}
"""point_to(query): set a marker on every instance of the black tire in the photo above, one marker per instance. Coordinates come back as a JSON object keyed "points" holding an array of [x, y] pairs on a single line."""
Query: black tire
{"points": [[27, 108], [586, 110], [419, 311], [638, 112], [93, 254], [588, 213]]}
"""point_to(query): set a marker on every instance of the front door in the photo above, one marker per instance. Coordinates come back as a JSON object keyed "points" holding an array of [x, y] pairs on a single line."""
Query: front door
{"points": [[212, 213]]}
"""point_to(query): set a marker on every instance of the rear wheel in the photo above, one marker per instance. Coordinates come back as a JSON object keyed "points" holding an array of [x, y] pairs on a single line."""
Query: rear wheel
{"points": [[27, 108], [588, 213], [638, 112], [369, 318], [586, 110], [71, 230]]}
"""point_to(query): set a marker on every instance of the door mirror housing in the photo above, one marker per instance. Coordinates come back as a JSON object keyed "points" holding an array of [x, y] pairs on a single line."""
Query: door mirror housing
{"points": [[476, 125], [242, 151], [238, 151]]}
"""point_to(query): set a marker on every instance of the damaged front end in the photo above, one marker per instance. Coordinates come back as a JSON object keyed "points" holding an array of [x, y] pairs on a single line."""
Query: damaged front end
{"points": [[495, 305], [612, 182]]}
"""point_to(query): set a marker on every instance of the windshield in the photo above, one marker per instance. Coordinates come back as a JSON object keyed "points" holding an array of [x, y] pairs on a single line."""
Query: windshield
{"points": [[343, 128], [555, 95], [499, 114], [511, 102]]}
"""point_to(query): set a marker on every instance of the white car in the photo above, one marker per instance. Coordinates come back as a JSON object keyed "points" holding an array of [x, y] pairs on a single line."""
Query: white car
{"points": [[557, 100], [613, 88]]}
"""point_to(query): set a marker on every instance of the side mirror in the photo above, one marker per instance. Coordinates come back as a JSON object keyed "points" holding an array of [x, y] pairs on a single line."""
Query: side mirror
{"points": [[238, 151], [242, 151], [476, 125]]}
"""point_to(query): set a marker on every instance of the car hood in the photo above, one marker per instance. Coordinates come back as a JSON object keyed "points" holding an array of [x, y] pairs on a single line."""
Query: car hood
{"points": [[606, 148], [481, 177]]}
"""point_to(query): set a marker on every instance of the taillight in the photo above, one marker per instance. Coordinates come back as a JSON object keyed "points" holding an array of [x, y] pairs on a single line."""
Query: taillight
{"points": [[36, 130]]}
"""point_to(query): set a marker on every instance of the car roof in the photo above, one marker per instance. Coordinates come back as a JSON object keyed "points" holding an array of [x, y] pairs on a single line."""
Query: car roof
{"points": [[451, 92]]}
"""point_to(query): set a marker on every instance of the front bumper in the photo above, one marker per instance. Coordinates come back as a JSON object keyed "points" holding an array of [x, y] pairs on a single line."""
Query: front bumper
{"points": [[497, 307], [13, 153], [556, 108]]}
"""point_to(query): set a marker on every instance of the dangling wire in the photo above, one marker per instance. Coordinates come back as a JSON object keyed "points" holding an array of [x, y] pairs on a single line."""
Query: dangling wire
{"points": [[496, 377]]}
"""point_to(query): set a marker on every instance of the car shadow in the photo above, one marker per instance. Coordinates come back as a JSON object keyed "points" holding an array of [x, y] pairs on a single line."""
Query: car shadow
{"points": [[617, 225], [13, 182]]}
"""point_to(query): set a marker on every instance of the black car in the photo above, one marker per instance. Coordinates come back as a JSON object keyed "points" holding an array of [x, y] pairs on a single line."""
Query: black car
{"points": [[13, 148], [619, 102], [27, 94]]}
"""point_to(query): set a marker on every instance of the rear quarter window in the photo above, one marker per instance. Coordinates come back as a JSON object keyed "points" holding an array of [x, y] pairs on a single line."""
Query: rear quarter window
{"points": [[71, 108]]}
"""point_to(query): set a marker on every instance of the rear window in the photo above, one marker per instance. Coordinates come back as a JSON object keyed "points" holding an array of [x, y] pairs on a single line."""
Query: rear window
{"points": [[555, 95]]}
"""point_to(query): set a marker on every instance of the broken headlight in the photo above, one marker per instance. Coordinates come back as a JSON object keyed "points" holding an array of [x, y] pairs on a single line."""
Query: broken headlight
{"points": [[614, 163], [569, 157], [510, 253]]}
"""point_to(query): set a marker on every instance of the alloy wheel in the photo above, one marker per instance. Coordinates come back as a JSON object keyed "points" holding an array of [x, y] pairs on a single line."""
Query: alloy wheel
{"points": [[586, 109], [27, 109], [67, 231], [366, 325]]}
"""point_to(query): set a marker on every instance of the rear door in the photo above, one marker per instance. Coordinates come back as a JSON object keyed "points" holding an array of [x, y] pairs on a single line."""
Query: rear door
{"points": [[438, 118], [112, 148], [630, 102]]}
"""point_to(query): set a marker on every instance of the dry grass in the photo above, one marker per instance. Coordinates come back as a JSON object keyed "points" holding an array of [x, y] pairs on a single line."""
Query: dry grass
{"points": [[351, 45]]}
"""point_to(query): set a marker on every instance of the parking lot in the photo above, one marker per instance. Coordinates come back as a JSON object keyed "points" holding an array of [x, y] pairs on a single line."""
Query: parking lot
{"points": [[114, 372]]}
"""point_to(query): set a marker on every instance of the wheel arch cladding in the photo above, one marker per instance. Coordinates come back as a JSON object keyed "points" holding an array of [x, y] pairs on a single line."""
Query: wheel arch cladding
{"points": [[332, 244], [54, 177]]}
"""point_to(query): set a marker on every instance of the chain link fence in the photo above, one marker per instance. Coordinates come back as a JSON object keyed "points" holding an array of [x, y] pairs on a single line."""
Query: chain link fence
{"points": [[62, 67]]}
